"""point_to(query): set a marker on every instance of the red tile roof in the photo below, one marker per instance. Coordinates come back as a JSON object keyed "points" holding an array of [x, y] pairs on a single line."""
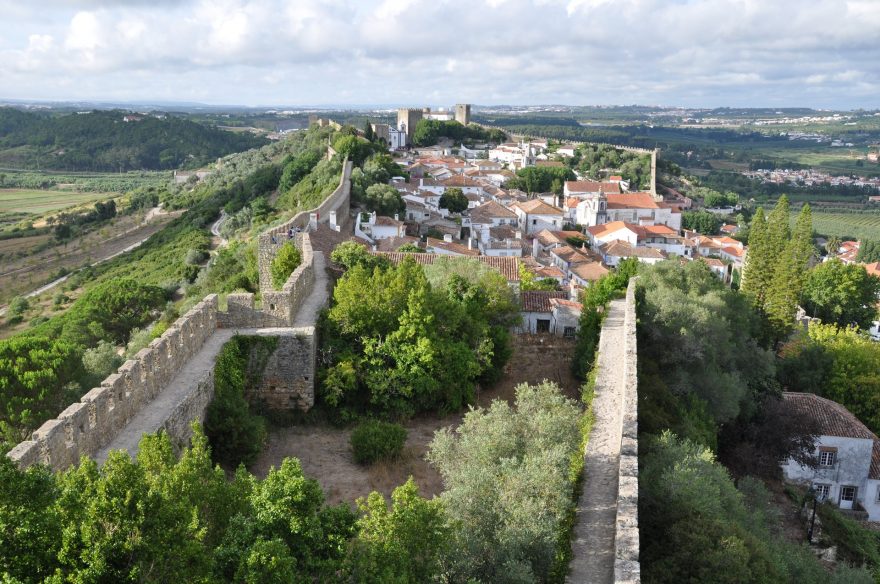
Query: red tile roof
{"points": [[606, 228], [538, 300], [491, 210], [632, 201], [873, 269], [834, 420], [452, 247], [538, 207], [590, 271], [591, 186], [623, 249]]}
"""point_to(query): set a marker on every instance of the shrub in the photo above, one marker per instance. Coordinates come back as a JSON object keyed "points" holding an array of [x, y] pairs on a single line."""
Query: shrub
{"points": [[374, 440], [287, 260], [17, 306]]}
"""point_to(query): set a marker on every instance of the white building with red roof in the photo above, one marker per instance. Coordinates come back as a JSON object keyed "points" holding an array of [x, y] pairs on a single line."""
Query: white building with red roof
{"points": [[847, 453], [536, 215]]}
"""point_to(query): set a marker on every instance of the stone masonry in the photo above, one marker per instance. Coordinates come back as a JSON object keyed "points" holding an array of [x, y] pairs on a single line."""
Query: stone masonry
{"points": [[170, 383], [606, 533]]}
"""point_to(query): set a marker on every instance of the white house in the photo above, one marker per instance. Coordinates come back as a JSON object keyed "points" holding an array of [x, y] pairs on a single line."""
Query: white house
{"points": [[537, 312], [381, 227], [488, 215], [848, 456], [615, 251], [536, 215], [616, 230]]}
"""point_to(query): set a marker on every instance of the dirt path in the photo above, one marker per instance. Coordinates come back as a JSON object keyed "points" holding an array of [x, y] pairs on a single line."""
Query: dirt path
{"points": [[594, 531]]}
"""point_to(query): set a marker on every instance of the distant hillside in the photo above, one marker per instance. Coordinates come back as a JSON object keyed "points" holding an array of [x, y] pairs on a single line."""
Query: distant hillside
{"points": [[104, 141]]}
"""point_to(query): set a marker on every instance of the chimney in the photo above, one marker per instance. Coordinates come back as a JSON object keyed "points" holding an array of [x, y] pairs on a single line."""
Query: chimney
{"points": [[333, 219], [518, 235], [397, 216], [447, 238], [470, 243]]}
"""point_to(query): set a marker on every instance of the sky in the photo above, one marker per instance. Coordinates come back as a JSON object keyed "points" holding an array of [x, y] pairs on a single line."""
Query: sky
{"points": [[692, 53]]}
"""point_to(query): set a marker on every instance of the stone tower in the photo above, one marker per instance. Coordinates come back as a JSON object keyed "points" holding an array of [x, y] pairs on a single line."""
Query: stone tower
{"points": [[407, 119], [463, 113]]}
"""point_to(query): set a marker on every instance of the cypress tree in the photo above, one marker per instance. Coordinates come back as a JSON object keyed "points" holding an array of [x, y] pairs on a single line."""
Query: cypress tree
{"points": [[757, 271], [789, 275]]}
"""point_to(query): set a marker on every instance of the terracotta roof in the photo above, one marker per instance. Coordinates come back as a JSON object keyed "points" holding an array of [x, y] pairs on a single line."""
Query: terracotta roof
{"points": [[503, 232], [592, 186], [834, 420], [624, 249], [658, 230], [538, 300], [590, 271], [393, 243], [549, 272], [632, 201], [491, 210], [508, 266], [567, 303], [539, 207], [570, 254], [460, 181], [451, 246], [550, 163], [388, 221], [713, 262], [873, 269], [606, 228], [734, 251]]}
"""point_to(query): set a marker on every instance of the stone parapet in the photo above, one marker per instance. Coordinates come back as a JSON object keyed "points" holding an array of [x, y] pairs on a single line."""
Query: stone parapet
{"points": [[627, 569], [91, 423]]}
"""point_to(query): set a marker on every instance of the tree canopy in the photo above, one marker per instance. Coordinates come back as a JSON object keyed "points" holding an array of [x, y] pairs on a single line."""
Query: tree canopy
{"points": [[842, 294]]}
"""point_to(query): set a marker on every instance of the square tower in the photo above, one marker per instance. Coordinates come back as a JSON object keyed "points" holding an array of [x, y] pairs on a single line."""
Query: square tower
{"points": [[463, 113], [407, 118]]}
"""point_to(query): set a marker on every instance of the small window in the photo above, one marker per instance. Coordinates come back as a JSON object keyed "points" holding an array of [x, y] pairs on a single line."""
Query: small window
{"points": [[847, 493], [824, 491], [827, 457], [568, 332], [534, 221]]}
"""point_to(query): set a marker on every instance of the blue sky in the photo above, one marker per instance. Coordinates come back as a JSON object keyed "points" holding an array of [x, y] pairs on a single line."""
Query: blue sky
{"points": [[701, 53]]}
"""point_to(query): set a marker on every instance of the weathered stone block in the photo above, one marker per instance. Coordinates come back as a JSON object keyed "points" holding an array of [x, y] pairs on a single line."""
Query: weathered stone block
{"points": [[78, 435], [25, 454], [52, 443]]}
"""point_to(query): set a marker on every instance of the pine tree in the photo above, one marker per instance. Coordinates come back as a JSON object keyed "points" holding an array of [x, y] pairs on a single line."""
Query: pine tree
{"points": [[368, 131], [778, 227]]}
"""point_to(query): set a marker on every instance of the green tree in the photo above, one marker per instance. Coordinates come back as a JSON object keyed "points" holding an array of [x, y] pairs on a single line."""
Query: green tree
{"points": [[369, 135], [101, 361], [284, 263], [454, 200], [34, 373], [349, 254], [384, 200], [758, 270], [507, 486], [701, 221], [404, 543], [842, 294], [789, 273], [869, 251]]}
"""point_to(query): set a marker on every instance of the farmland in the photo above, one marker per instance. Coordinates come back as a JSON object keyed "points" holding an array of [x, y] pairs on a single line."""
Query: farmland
{"points": [[39, 201], [863, 225]]}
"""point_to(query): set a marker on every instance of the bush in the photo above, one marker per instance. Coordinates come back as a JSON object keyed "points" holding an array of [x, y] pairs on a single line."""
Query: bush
{"points": [[374, 440], [287, 260], [17, 306]]}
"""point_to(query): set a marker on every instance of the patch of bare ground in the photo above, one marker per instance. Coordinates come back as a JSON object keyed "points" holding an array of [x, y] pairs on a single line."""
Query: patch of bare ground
{"points": [[325, 453]]}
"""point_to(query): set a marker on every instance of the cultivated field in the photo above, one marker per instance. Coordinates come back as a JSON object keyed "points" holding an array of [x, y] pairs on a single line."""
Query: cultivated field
{"points": [[42, 201], [858, 225]]}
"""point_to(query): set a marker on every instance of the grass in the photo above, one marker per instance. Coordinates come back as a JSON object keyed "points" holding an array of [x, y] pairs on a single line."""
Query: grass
{"points": [[859, 225], [42, 201]]}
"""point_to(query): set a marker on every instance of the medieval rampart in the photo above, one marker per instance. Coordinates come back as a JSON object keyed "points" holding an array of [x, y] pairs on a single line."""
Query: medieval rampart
{"points": [[626, 538], [91, 423], [170, 383]]}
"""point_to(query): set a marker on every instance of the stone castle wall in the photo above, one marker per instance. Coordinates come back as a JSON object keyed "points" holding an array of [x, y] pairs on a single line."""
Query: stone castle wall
{"points": [[279, 307], [289, 375], [271, 240], [91, 423], [627, 569]]}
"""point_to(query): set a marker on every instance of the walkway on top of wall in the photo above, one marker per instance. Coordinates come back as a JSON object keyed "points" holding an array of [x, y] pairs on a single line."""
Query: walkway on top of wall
{"points": [[594, 533], [152, 417]]}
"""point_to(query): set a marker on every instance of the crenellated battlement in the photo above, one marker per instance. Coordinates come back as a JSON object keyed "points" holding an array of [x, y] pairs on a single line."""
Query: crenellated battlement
{"points": [[91, 423]]}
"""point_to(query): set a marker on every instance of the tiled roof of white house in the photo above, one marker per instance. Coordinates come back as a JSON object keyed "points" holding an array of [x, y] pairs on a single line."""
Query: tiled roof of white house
{"points": [[538, 300], [834, 420]]}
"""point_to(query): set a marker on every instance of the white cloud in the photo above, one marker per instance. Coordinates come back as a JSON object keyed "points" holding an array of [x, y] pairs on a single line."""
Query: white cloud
{"points": [[709, 52]]}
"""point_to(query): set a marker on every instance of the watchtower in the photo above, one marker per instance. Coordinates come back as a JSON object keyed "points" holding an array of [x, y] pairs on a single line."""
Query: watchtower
{"points": [[463, 113], [407, 119]]}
